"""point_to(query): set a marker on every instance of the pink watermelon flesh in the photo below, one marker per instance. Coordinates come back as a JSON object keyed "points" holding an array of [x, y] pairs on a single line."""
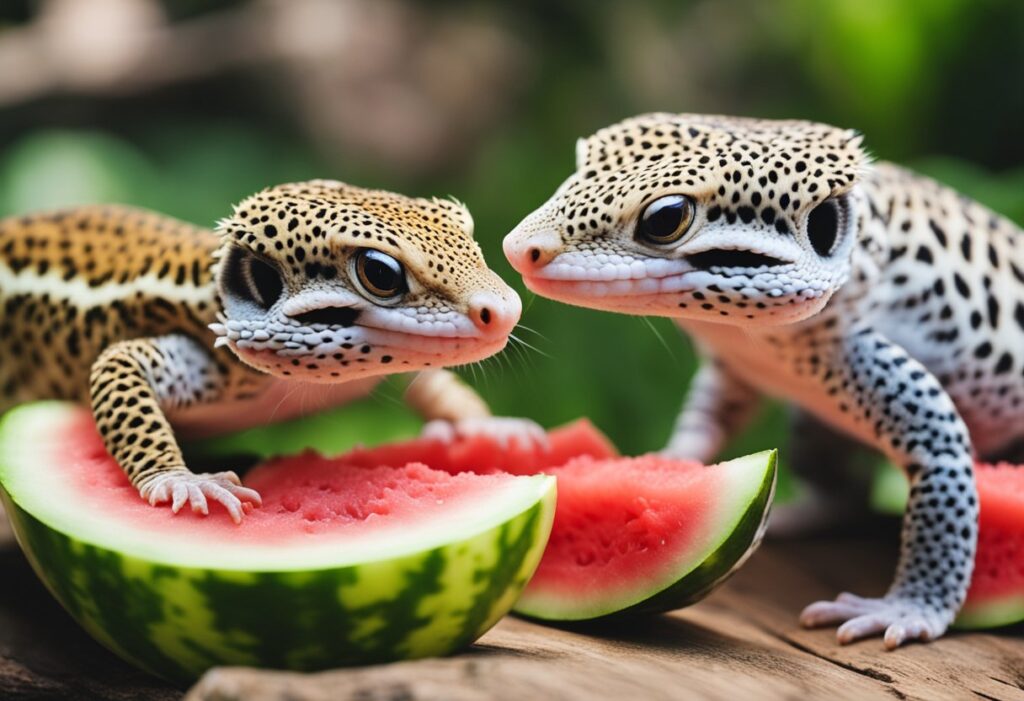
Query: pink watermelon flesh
{"points": [[306, 498], [999, 564]]}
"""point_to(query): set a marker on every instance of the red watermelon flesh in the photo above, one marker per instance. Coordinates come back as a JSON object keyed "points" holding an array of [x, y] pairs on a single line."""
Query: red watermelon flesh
{"points": [[482, 454], [644, 533], [996, 596]]}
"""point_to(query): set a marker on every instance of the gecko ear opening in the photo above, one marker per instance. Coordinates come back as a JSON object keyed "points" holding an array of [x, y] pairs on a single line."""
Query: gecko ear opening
{"points": [[251, 279], [824, 224]]}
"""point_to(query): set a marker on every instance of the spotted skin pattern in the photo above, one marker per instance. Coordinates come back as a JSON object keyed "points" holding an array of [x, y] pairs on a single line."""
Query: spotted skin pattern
{"points": [[164, 326], [876, 301]]}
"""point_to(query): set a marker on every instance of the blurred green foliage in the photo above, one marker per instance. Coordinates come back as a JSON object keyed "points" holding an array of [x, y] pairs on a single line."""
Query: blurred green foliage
{"points": [[937, 84]]}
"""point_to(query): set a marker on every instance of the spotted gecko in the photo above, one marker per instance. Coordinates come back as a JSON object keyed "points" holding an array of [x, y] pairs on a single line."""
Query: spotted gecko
{"points": [[305, 297], [884, 307]]}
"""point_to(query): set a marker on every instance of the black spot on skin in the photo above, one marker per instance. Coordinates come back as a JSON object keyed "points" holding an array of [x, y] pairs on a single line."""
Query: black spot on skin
{"points": [[940, 235], [983, 350], [993, 256], [1004, 364], [961, 286], [993, 312], [1017, 273], [924, 255]]}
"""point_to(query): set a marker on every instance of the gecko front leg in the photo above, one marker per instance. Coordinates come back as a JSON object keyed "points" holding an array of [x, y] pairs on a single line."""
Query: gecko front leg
{"points": [[132, 384], [452, 410], [717, 406], [887, 394]]}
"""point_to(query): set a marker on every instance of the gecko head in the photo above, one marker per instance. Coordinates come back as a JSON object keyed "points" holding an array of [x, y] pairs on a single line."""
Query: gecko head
{"points": [[721, 219], [326, 282]]}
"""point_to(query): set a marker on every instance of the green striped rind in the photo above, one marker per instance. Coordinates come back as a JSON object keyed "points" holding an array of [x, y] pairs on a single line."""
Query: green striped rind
{"points": [[694, 577], [1000, 611], [177, 621]]}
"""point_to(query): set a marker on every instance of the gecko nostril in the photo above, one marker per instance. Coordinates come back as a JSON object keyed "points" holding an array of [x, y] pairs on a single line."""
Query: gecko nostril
{"points": [[534, 254], [485, 315]]}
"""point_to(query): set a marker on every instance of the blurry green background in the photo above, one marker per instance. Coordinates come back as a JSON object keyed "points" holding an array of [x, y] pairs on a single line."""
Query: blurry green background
{"points": [[186, 106]]}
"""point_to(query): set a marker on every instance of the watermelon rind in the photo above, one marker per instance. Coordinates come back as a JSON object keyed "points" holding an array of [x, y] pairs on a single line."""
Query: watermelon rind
{"points": [[432, 591], [1004, 611], [742, 515]]}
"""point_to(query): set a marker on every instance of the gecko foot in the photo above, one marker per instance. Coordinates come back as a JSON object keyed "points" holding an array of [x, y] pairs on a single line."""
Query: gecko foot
{"points": [[222, 487], [901, 618], [692, 445], [506, 431]]}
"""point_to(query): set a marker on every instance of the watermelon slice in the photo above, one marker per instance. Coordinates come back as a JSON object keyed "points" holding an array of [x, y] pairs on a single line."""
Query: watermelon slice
{"points": [[996, 595], [636, 535], [341, 565]]}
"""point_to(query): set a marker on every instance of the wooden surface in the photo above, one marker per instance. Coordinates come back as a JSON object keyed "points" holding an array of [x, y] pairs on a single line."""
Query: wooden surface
{"points": [[740, 643]]}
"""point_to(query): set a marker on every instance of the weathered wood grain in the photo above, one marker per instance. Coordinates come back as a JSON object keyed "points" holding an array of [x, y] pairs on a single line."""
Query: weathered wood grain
{"points": [[742, 642]]}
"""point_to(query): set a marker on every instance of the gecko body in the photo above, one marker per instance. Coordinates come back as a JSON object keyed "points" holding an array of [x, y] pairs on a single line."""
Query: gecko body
{"points": [[880, 304], [304, 297]]}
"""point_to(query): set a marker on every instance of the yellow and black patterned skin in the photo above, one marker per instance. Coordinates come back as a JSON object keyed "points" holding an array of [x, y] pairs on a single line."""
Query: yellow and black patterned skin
{"points": [[308, 289]]}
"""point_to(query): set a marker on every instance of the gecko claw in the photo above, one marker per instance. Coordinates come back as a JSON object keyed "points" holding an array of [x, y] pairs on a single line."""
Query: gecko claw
{"points": [[898, 618], [197, 491], [506, 431]]}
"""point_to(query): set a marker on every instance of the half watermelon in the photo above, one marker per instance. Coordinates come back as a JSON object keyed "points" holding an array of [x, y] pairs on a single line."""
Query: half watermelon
{"points": [[631, 535], [341, 564]]}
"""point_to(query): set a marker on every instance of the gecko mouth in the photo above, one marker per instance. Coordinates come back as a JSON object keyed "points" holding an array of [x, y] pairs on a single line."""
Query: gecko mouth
{"points": [[353, 342], [732, 258], [329, 316]]}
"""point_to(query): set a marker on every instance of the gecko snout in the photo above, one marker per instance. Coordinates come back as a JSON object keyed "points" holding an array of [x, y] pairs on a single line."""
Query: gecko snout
{"points": [[528, 252], [494, 315]]}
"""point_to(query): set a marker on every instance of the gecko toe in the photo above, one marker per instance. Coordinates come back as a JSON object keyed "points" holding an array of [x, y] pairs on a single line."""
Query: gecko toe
{"points": [[897, 618]]}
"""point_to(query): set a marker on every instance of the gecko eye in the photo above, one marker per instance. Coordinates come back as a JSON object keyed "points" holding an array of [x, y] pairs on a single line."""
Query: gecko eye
{"points": [[665, 220], [823, 225], [251, 278], [379, 275]]}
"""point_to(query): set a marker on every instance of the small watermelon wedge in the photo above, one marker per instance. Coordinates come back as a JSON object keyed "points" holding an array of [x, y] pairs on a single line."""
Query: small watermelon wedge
{"points": [[631, 535], [341, 565], [996, 594]]}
